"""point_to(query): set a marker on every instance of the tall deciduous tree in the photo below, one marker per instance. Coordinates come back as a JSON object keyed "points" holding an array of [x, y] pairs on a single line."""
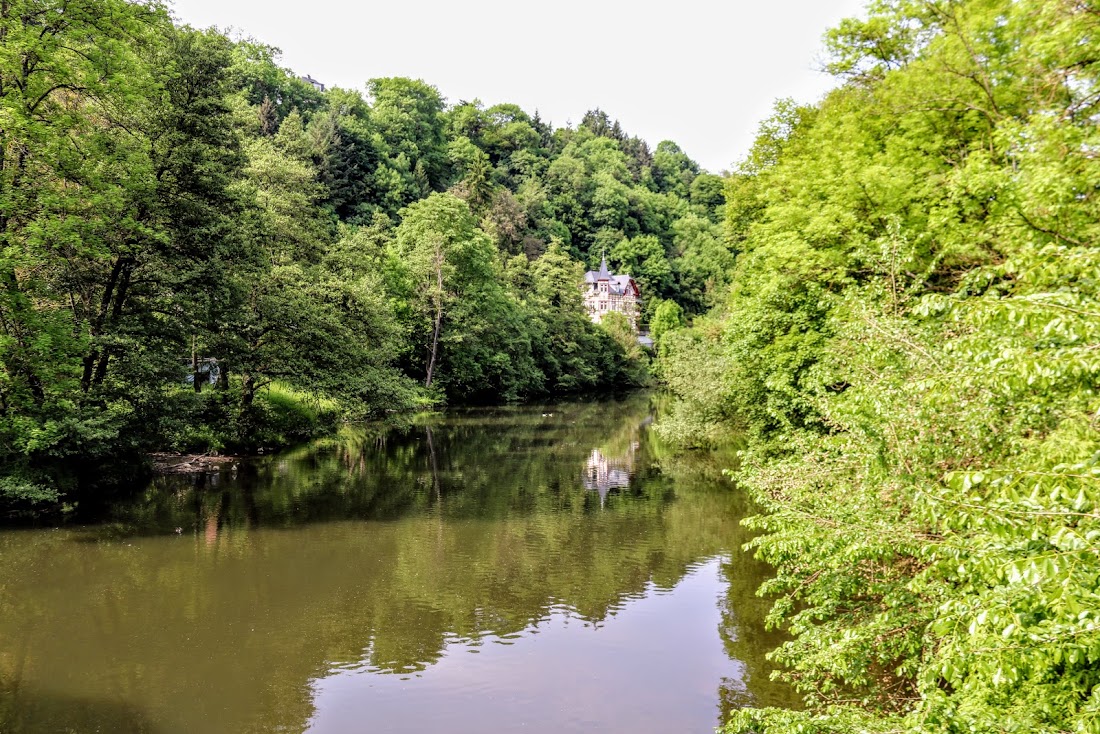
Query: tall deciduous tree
{"points": [[73, 169], [470, 329]]}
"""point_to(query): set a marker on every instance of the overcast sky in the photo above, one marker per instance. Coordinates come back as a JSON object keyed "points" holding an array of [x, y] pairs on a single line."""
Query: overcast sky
{"points": [[700, 72]]}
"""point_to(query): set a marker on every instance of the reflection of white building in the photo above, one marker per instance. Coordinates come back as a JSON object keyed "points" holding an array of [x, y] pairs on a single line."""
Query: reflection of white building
{"points": [[603, 474]]}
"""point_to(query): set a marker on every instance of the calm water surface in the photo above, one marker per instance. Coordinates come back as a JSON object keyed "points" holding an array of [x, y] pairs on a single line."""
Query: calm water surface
{"points": [[535, 569]]}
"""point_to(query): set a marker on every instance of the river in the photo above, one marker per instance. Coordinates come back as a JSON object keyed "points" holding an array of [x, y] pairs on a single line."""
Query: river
{"points": [[536, 569]]}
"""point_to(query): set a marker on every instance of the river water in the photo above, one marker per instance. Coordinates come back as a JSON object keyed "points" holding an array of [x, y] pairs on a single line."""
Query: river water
{"points": [[534, 569]]}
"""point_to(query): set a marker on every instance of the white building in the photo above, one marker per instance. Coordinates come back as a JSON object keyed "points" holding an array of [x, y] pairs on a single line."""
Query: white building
{"points": [[604, 292], [313, 82]]}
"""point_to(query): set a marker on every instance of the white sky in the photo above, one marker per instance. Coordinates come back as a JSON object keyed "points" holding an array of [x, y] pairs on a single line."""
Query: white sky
{"points": [[700, 72]]}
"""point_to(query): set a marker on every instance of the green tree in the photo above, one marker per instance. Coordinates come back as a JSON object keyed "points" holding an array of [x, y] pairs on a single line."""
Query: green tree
{"points": [[667, 316], [628, 361], [116, 167], [468, 329], [673, 171], [348, 159], [407, 117], [568, 348], [701, 262], [269, 87], [645, 258]]}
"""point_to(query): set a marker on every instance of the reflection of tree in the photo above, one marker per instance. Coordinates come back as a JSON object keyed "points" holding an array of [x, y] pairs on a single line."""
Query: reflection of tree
{"points": [[743, 631], [404, 538], [32, 711], [747, 639], [434, 462]]}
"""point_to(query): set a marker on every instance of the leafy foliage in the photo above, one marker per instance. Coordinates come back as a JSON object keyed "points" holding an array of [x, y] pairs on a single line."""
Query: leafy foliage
{"points": [[909, 345]]}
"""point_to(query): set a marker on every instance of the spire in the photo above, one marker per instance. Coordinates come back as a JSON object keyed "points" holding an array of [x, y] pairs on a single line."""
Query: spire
{"points": [[604, 274]]}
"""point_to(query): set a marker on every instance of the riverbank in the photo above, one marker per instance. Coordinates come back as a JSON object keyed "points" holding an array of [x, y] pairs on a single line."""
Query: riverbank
{"points": [[167, 464]]}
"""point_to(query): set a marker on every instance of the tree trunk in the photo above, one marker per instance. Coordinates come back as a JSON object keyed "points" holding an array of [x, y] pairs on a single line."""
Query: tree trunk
{"points": [[121, 293], [438, 316], [248, 392], [435, 347], [195, 364], [223, 375], [96, 329]]}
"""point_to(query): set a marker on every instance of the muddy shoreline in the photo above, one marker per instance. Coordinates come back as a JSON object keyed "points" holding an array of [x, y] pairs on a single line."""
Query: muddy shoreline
{"points": [[164, 463]]}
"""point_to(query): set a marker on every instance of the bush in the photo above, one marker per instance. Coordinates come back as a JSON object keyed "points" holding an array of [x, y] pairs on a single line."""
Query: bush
{"points": [[21, 492], [288, 415]]}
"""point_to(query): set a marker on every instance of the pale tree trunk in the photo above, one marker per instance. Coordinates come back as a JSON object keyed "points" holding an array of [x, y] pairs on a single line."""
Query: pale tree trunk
{"points": [[438, 314]]}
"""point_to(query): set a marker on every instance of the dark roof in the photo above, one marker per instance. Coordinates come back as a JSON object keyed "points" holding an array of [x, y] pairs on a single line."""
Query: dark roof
{"points": [[619, 284]]}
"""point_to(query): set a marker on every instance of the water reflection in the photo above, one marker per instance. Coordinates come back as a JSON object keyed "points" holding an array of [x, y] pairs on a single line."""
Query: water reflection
{"points": [[563, 673], [604, 474], [459, 548]]}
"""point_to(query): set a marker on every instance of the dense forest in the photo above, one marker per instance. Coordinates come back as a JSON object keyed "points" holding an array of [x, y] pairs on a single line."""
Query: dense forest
{"points": [[178, 212], [910, 347]]}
